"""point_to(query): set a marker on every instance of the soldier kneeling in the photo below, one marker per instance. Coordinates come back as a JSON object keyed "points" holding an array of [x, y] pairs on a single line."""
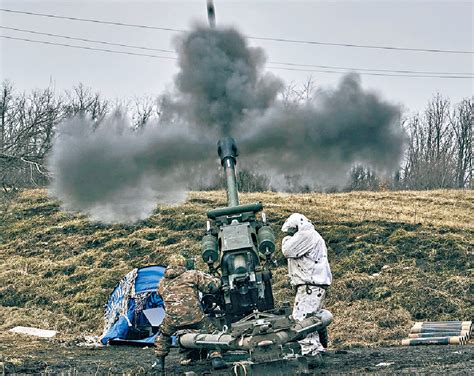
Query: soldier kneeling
{"points": [[179, 289]]}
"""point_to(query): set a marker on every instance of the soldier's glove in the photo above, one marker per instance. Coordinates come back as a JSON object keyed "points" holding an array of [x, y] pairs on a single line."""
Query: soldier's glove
{"points": [[292, 230], [214, 287], [189, 264]]}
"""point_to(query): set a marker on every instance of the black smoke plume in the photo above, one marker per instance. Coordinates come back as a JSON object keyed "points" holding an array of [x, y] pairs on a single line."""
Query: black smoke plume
{"points": [[115, 174], [318, 142], [221, 79]]}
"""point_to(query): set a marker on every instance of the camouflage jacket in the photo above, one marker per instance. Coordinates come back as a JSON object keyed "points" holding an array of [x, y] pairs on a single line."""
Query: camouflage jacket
{"points": [[180, 289]]}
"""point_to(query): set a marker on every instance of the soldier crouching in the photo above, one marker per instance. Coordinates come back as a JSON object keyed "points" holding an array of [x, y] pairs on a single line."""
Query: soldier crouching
{"points": [[179, 289]]}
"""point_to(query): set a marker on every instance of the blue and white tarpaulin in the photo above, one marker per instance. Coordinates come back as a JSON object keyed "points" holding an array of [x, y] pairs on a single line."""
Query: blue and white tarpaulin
{"points": [[135, 292]]}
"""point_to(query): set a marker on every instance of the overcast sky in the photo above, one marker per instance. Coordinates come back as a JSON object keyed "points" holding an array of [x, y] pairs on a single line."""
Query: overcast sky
{"points": [[414, 24]]}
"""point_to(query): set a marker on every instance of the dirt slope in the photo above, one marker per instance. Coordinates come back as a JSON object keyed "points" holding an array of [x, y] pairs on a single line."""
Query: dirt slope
{"points": [[397, 257]]}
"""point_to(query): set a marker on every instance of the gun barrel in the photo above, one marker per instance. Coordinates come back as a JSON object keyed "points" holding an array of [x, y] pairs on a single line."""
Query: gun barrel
{"points": [[227, 150], [232, 193]]}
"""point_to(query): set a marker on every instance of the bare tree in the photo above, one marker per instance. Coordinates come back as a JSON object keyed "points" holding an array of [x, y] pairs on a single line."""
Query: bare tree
{"points": [[363, 179], [461, 123], [293, 94], [288, 96], [430, 154], [5, 99], [83, 101], [251, 181], [144, 110], [27, 126]]}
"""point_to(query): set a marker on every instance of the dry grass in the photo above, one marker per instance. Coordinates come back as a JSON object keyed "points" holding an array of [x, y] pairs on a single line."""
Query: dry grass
{"points": [[396, 257]]}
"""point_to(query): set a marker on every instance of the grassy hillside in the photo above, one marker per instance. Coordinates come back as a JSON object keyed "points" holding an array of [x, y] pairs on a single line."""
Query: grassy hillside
{"points": [[396, 257]]}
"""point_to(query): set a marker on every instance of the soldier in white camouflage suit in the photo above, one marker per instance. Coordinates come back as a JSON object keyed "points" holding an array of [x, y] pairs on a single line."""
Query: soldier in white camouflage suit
{"points": [[179, 289], [309, 272]]}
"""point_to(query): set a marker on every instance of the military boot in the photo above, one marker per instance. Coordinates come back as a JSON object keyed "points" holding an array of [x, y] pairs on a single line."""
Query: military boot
{"points": [[315, 360], [216, 361], [160, 366], [323, 337]]}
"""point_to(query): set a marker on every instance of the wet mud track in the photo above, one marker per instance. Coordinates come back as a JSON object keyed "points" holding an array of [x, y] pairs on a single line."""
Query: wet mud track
{"points": [[50, 357]]}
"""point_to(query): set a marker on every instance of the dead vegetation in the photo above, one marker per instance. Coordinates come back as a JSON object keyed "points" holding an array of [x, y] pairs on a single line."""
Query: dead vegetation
{"points": [[396, 257]]}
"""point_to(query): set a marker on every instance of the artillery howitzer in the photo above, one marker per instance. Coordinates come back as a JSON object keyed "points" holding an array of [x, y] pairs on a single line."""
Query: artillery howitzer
{"points": [[238, 242], [251, 326]]}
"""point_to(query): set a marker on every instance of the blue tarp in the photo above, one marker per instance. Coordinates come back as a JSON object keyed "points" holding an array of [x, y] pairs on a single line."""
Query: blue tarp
{"points": [[148, 278], [145, 284]]}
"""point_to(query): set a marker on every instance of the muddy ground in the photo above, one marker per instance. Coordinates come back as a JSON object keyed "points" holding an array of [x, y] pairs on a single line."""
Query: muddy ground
{"points": [[24, 355]]}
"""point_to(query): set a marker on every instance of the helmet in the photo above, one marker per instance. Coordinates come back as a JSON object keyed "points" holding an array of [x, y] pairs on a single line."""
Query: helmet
{"points": [[176, 260], [296, 220]]}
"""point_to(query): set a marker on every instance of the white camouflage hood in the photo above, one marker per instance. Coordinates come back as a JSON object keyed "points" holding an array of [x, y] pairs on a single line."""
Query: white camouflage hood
{"points": [[306, 253]]}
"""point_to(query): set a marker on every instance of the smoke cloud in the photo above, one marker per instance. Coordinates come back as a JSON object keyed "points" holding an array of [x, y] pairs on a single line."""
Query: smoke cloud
{"points": [[319, 141], [115, 174], [222, 86], [221, 79]]}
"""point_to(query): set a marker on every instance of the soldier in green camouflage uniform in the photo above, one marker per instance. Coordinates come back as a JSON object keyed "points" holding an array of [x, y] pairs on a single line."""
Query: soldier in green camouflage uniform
{"points": [[179, 290]]}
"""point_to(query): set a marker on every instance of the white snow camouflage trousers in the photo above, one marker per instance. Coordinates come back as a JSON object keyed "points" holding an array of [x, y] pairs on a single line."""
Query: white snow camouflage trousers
{"points": [[309, 299]]}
